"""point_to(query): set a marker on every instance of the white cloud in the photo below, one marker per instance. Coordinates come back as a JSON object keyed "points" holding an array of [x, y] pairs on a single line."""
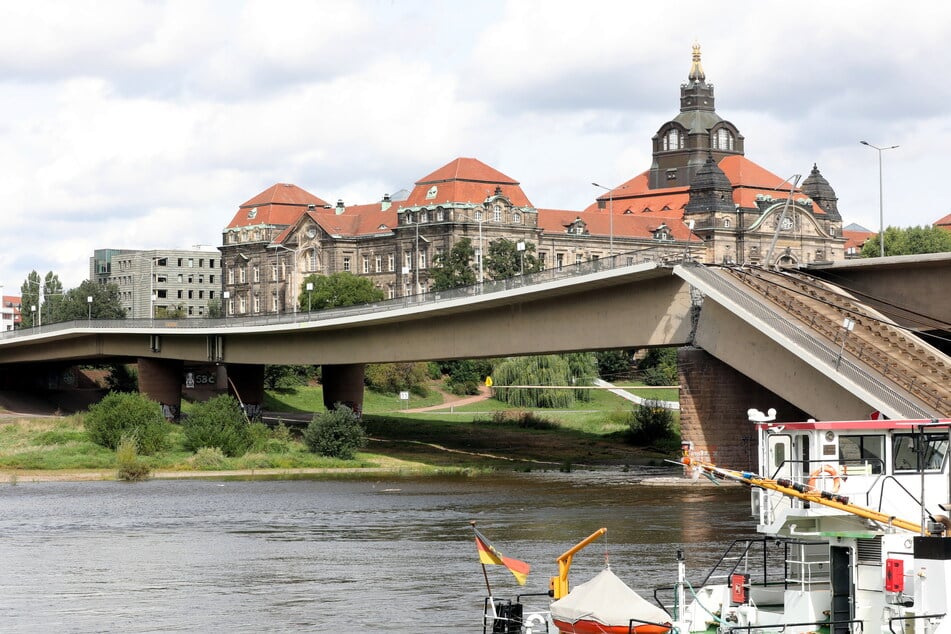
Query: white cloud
{"points": [[145, 124]]}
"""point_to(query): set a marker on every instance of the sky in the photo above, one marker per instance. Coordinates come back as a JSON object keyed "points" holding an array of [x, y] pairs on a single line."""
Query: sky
{"points": [[145, 124]]}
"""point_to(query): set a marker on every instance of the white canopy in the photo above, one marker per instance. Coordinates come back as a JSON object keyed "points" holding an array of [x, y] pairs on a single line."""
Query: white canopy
{"points": [[607, 600]]}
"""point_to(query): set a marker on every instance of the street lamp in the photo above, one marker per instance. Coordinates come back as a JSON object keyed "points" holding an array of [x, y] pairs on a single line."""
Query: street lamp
{"points": [[309, 286], [610, 214], [89, 306], [225, 296], [881, 195]]}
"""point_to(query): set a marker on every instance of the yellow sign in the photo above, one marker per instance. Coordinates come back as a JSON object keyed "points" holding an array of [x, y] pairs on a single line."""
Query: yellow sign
{"points": [[488, 381]]}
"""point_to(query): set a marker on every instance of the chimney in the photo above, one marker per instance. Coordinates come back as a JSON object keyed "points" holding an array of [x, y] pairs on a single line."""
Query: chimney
{"points": [[339, 209], [386, 202]]}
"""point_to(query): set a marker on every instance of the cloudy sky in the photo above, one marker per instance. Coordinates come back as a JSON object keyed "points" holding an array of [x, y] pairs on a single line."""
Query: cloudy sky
{"points": [[144, 124]]}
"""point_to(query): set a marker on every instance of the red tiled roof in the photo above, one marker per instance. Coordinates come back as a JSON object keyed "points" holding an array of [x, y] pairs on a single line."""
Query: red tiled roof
{"points": [[748, 179], [599, 223], [944, 223], [856, 239], [465, 180], [279, 205], [356, 220]]}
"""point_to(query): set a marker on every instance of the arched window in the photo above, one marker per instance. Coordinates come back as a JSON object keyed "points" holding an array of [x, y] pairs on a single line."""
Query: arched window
{"points": [[726, 223], [497, 213], [673, 140], [723, 139]]}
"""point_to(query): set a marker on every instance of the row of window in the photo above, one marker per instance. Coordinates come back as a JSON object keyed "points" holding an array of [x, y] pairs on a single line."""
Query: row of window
{"points": [[161, 278], [498, 215], [721, 139], [128, 263]]}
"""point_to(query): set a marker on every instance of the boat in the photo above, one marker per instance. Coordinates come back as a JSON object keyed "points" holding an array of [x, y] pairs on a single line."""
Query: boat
{"points": [[853, 538]]}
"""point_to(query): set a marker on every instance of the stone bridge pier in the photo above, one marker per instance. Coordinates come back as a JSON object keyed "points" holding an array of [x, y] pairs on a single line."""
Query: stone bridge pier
{"points": [[343, 384], [246, 383], [161, 381]]}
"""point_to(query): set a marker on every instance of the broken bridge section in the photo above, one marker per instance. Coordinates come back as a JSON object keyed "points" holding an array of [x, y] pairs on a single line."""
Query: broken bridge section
{"points": [[816, 349]]}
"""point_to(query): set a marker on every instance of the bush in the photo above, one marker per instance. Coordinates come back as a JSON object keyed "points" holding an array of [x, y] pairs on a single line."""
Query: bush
{"points": [[218, 422], [392, 378], [336, 433], [129, 465], [127, 414], [659, 366], [208, 459], [650, 424], [522, 419]]}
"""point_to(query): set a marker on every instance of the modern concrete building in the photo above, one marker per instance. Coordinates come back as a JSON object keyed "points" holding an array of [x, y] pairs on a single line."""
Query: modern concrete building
{"points": [[161, 282]]}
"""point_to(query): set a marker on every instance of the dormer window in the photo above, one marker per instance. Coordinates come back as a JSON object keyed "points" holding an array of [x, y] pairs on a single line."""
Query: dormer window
{"points": [[673, 140], [662, 233], [497, 213], [478, 214], [431, 193], [723, 140], [252, 213], [424, 216], [516, 217]]}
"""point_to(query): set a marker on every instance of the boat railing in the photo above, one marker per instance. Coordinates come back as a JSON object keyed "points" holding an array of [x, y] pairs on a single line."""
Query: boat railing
{"points": [[853, 626], [928, 621]]}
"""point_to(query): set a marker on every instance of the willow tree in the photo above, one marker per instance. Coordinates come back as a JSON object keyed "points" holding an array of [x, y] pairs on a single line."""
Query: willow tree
{"points": [[548, 379]]}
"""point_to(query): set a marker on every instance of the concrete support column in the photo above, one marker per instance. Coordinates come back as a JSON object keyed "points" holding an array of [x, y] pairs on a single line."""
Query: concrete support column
{"points": [[714, 399], [246, 383], [161, 380], [343, 384]]}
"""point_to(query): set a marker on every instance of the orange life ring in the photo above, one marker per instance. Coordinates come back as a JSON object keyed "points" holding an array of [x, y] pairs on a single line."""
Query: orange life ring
{"points": [[828, 470]]}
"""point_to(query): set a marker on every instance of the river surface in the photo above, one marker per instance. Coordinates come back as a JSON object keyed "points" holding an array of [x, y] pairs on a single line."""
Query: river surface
{"points": [[386, 554]]}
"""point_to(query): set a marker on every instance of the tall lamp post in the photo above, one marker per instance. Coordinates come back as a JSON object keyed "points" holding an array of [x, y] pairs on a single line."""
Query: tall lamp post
{"points": [[610, 214], [881, 195], [89, 309]]}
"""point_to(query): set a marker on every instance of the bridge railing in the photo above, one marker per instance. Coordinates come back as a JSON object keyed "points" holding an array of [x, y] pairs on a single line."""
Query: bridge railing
{"points": [[669, 253], [807, 340]]}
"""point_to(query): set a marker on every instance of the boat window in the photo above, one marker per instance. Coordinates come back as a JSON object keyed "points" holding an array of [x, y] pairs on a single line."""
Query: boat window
{"points": [[857, 452], [905, 455]]}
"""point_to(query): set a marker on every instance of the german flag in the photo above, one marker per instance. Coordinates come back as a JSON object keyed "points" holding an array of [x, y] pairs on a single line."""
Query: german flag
{"points": [[489, 554]]}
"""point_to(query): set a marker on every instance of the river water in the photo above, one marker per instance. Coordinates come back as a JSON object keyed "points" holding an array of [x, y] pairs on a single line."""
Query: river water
{"points": [[386, 554]]}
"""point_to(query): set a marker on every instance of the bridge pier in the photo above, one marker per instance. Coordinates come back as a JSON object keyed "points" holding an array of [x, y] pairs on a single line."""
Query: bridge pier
{"points": [[246, 382], [714, 399], [161, 380], [343, 384]]}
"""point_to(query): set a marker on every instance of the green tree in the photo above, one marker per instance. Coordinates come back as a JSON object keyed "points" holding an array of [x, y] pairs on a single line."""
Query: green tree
{"points": [[614, 365], [454, 268], [339, 289], [910, 241], [504, 260], [214, 309], [30, 298], [74, 304], [391, 378], [284, 377], [539, 372], [659, 366], [171, 312]]}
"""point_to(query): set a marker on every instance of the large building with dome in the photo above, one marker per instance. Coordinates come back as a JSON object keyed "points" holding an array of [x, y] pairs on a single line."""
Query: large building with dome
{"points": [[700, 198]]}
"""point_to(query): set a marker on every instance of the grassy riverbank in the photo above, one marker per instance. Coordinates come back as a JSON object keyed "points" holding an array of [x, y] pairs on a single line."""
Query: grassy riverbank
{"points": [[478, 436]]}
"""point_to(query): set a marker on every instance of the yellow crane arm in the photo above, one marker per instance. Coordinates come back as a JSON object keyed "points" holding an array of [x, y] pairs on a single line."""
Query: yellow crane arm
{"points": [[559, 585]]}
